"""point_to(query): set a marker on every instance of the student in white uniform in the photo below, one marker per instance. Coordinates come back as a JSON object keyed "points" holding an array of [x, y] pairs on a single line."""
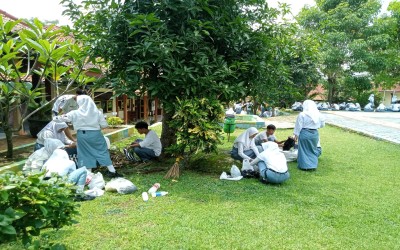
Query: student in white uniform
{"points": [[272, 164], [36, 160], [306, 132], [244, 147], [147, 149]]}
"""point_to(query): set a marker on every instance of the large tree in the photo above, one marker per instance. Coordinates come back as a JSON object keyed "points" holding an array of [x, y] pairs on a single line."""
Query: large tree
{"points": [[191, 49], [346, 32]]}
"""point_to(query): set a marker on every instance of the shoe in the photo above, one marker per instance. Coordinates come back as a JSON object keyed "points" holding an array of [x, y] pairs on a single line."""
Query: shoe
{"points": [[127, 155], [113, 175], [84, 197], [130, 157]]}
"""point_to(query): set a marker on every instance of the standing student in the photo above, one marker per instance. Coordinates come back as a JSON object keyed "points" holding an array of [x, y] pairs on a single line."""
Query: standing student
{"points": [[371, 99], [147, 149], [92, 147], [306, 132], [244, 147]]}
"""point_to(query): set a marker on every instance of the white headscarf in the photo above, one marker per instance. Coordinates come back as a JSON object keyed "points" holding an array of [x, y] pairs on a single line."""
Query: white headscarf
{"points": [[59, 163], [87, 107], [87, 116], [273, 157], [310, 109], [244, 138], [51, 144], [54, 127]]}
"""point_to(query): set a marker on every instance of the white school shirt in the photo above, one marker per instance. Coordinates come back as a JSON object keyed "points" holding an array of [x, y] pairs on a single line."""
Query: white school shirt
{"points": [[50, 134], [304, 121], [152, 142], [259, 139]]}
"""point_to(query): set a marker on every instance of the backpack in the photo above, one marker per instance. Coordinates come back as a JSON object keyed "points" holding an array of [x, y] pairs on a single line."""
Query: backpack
{"points": [[289, 143]]}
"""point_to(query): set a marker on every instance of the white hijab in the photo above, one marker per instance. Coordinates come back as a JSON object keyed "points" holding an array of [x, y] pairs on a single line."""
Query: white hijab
{"points": [[245, 139], [51, 144], [59, 163], [310, 109], [87, 116], [87, 107], [273, 157], [55, 127]]}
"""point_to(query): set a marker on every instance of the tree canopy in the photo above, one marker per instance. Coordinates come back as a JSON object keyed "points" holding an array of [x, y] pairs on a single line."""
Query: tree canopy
{"points": [[357, 46], [192, 49]]}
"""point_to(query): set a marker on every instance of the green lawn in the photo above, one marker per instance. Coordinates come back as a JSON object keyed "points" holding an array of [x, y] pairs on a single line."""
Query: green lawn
{"points": [[350, 202]]}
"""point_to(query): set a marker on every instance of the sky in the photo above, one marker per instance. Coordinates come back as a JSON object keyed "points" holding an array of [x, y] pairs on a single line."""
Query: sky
{"points": [[51, 9]]}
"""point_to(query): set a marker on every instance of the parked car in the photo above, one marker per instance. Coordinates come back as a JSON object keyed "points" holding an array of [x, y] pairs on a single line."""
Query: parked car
{"points": [[297, 106]]}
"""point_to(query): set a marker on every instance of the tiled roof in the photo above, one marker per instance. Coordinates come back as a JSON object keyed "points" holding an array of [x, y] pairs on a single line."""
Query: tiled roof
{"points": [[395, 88], [8, 17]]}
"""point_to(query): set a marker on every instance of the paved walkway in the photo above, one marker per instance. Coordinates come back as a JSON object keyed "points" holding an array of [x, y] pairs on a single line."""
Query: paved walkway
{"points": [[379, 125]]}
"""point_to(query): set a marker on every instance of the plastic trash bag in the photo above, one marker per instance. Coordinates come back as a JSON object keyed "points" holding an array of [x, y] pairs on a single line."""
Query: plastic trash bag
{"points": [[246, 165], [224, 176], [235, 172], [96, 192], [97, 181], [121, 185], [290, 155]]}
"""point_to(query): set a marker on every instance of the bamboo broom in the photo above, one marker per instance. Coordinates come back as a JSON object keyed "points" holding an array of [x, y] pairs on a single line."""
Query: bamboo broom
{"points": [[173, 172]]}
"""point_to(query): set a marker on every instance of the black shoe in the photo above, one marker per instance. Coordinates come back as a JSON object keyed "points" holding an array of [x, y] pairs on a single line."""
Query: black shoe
{"points": [[113, 175], [84, 197]]}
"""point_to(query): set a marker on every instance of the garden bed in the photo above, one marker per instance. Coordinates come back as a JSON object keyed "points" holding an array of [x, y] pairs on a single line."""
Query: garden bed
{"points": [[23, 146]]}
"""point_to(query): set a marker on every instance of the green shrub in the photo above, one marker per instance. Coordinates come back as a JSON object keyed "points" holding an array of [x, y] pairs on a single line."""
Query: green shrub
{"points": [[114, 121], [30, 204], [197, 124]]}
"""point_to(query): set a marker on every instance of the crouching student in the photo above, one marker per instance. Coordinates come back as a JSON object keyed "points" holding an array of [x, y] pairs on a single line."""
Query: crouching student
{"points": [[272, 164], [244, 147], [267, 135], [35, 161], [60, 164], [58, 131], [147, 149]]}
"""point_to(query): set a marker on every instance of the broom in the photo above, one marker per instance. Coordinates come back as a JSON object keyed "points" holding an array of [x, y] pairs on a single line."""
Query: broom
{"points": [[173, 172]]}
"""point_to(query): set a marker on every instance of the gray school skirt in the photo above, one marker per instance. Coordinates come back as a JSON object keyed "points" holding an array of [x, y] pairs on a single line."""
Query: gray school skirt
{"points": [[92, 149]]}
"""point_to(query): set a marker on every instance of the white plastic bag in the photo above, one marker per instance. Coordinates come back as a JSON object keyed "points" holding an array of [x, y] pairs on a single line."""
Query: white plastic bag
{"points": [[246, 165], [235, 171], [94, 192], [224, 176], [121, 185], [290, 155], [97, 181]]}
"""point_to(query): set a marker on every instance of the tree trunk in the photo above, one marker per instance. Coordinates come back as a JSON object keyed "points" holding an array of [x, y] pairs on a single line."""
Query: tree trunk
{"points": [[8, 132], [168, 135], [331, 87]]}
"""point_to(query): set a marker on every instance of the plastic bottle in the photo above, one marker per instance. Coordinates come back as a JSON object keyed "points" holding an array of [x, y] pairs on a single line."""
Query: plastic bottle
{"points": [[160, 193], [154, 188], [145, 196]]}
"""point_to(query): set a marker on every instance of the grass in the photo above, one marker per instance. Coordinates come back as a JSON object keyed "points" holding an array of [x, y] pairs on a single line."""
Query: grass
{"points": [[350, 202]]}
